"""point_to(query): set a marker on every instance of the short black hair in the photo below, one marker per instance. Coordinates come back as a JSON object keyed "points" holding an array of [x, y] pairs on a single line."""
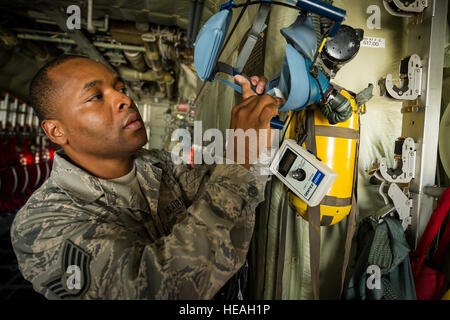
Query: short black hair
{"points": [[42, 88]]}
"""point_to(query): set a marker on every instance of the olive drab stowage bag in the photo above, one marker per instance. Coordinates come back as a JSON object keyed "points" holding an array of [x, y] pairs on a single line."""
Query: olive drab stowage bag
{"points": [[382, 269]]}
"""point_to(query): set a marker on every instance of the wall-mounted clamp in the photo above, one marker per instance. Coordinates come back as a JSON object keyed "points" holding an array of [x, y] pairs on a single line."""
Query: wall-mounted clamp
{"points": [[404, 162], [402, 204], [405, 8], [410, 80], [402, 173]]}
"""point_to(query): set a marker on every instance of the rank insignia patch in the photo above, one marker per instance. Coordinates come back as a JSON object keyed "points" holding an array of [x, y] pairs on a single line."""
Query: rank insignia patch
{"points": [[75, 277]]}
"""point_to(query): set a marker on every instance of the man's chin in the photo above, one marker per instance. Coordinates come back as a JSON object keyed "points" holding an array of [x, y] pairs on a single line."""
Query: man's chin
{"points": [[140, 141]]}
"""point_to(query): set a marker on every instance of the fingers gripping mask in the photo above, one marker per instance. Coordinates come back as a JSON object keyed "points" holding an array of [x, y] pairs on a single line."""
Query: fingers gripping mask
{"points": [[299, 83], [294, 83]]}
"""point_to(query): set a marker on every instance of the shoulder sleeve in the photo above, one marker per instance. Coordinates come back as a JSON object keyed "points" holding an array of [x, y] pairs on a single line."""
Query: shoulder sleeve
{"points": [[192, 179]]}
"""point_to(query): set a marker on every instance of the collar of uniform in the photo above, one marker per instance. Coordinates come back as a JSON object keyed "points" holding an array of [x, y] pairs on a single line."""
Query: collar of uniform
{"points": [[148, 175], [149, 168], [84, 188]]}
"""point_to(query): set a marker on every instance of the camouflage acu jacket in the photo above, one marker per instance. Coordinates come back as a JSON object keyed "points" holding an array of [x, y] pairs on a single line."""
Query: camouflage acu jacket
{"points": [[82, 237]]}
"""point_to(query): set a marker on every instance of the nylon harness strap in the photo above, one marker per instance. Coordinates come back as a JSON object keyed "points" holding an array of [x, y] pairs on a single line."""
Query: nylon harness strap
{"points": [[353, 216], [259, 25], [336, 202], [282, 248], [314, 248], [337, 132], [314, 212]]}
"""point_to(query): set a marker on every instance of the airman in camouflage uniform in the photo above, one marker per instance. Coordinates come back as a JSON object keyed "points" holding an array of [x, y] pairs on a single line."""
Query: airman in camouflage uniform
{"points": [[184, 241], [81, 236]]}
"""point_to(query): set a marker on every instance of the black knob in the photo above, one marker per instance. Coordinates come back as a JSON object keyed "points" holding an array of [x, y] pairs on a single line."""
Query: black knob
{"points": [[299, 174]]}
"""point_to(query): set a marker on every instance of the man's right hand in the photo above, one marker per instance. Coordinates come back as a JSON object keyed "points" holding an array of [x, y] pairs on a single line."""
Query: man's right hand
{"points": [[254, 112]]}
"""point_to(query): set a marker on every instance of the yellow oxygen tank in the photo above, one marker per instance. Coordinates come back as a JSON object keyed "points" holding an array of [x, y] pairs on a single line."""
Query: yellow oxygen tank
{"points": [[336, 147], [446, 296]]}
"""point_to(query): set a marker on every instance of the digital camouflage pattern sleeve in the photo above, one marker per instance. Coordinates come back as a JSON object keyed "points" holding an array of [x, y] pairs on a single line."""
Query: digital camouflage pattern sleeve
{"points": [[75, 240]]}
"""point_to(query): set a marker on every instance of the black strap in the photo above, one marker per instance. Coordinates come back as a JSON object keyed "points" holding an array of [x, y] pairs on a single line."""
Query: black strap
{"points": [[224, 68]]}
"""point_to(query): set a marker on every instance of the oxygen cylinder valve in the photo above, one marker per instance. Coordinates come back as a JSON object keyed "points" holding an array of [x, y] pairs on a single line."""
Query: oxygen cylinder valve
{"points": [[342, 48]]}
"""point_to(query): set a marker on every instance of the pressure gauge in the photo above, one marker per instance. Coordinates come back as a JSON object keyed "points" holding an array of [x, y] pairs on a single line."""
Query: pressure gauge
{"points": [[305, 175]]}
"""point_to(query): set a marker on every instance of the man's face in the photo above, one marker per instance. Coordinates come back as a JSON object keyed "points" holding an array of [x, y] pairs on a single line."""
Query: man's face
{"points": [[95, 110]]}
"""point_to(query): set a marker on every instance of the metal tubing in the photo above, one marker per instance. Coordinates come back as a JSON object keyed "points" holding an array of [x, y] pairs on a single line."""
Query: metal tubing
{"points": [[153, 59], [70, 41], [169, 86], [325, 10], [426, 39], [136, 59], [90, 27], [162, 87], [102, 26], [151, 51], [131, 74], [198, 16], [192, 9]]}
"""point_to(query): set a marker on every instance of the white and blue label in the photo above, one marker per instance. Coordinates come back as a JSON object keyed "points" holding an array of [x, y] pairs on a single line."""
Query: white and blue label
{"points": [[318, 178]]}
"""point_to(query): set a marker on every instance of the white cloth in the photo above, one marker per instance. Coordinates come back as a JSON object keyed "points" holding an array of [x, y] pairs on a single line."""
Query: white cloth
{"points": [[130, 180]]}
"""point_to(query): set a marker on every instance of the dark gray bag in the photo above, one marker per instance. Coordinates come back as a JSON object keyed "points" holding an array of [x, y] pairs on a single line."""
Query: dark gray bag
{"points": [[381, 245]]}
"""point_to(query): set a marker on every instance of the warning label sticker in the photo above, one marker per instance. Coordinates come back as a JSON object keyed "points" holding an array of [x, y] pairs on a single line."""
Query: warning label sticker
{"points": [[373, 42]]}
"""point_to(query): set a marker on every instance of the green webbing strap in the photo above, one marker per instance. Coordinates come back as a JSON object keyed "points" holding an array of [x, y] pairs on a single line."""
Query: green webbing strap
{"points": [[282, 248], [259, 25], [314, 248], [336, 202], [311, 132], [336, 132], [354, 213], [313, 213], [351, 228]]}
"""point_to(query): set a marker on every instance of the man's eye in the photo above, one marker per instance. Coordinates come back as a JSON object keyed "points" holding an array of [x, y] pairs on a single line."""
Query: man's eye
{"points": [[123, 90], [96, 97]]}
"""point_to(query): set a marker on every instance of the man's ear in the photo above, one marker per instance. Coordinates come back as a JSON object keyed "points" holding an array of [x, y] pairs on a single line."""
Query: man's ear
{"points": [[55, 131]]}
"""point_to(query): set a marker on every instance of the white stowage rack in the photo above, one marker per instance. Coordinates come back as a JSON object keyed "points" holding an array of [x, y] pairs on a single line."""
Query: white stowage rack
{"points": [[304, 174]]}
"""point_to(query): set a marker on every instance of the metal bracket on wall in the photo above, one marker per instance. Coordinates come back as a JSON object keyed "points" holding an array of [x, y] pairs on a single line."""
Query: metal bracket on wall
{"points": [[405, 8], [427, 40], [402, 173], [411, 73], [402, 204], [404, 163]]}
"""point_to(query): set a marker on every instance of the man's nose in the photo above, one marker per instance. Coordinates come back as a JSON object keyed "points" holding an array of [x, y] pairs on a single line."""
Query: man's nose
{"points": [[121, 102]]}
